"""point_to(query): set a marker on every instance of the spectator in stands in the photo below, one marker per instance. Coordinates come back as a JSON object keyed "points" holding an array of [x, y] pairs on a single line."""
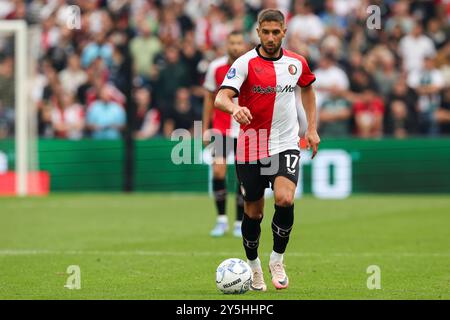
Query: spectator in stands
{"points": [[360, 80], [193, 58], [436, 33], [334, 117], [144, 48], [148, 119], [331, 79], [169, 29], [97, 48], [59, 52], [398, 121], [50, 33], [105, 118], [400, 18], [427, 83], [369, 110], [173, 75], [184, 21], [401, 115], [386, 76], [86, 87], [181, 116], [68, 117], [331, 21], [305, 24], [414, 47], [73, 76]]}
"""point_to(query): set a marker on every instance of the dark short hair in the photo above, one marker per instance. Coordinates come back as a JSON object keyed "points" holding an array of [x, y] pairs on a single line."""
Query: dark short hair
{"points": [[271, 15], [235, 33]]}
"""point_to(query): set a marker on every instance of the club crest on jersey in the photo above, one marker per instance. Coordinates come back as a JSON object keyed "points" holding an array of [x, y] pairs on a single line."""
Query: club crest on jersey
{"points": [[292, 69], [231, 73]]}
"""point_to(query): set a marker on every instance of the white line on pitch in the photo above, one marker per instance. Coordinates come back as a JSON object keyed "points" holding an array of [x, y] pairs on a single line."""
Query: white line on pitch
{"points": [[25, 252]]}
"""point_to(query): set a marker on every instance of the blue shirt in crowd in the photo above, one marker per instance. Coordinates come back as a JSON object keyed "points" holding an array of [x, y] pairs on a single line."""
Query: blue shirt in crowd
{"points": [[105, 114]]}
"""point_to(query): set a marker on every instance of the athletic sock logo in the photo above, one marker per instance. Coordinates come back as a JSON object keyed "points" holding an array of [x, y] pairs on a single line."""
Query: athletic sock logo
{"points": [[251, 244], [283, 233]]}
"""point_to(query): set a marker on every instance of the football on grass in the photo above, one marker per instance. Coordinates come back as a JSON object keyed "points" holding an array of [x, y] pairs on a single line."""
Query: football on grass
{"points": [[233, 276]]}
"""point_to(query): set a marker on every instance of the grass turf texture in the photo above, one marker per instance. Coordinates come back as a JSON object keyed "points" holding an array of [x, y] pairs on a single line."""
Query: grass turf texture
{"points": [[156, 246]]}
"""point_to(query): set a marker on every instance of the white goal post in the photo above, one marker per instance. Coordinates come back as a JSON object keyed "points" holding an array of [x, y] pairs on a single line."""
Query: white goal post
{"points": [[19, 29]]}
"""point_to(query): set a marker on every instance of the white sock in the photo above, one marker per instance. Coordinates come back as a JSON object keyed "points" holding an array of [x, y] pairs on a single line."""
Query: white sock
{"points": [[276, 257], [238, 223], [254, 264], [222, 219]]}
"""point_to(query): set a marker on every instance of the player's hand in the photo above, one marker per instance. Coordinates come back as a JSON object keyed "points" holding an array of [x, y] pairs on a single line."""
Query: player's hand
{"points": [[242, 115], [312, 141]]}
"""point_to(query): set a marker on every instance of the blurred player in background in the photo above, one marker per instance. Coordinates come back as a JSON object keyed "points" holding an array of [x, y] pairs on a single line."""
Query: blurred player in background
{"points": [[227, 128], [265, 79]]}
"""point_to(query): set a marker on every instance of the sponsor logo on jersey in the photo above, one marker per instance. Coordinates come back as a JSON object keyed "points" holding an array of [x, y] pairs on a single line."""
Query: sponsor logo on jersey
{"points": [[277, 89], [292, 69], [231, 73]]}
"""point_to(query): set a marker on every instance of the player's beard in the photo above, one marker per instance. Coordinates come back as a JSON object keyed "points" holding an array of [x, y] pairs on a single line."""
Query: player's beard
{"points": [[271, 50], [233, 55]]}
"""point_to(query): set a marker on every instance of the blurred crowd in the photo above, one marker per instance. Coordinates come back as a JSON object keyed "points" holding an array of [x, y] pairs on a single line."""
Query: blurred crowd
{"points": [[139, 65]]}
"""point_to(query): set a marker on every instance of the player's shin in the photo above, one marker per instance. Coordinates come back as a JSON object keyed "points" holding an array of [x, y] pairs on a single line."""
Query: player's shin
{"points": [[251, 230], [282, 223], [220, 195]]}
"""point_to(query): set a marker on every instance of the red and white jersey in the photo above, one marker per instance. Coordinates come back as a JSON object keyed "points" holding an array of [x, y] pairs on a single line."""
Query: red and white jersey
{"points": [[266, 86], [215, 74], [71, 115]]}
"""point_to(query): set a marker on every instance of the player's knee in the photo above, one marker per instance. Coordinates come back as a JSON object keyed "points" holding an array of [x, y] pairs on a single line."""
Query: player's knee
{"points": [[256, 215], [219, 171], [284, 199]]}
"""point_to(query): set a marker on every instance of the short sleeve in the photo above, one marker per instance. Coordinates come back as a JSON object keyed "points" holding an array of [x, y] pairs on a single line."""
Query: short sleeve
{"points": [[307, 77], [210, 80], [236, 75]]}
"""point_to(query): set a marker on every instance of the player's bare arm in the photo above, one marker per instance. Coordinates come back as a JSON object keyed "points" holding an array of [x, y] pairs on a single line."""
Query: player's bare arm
{"points": [[208, 104], [309, 104], [225, 103]]}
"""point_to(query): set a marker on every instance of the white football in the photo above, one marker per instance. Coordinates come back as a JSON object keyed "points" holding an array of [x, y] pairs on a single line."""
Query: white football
{"points": [[233, 276]]}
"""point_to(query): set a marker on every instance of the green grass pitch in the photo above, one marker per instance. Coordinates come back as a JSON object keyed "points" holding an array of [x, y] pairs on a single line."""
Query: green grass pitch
{"points": [[156, 246]]}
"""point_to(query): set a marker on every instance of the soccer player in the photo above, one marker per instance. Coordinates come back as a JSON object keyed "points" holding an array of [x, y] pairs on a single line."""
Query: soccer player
{"points": [[268, 144], [224, 125]]}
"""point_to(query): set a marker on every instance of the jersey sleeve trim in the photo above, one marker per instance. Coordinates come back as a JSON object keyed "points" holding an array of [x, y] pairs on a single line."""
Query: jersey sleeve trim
{"points": [[310, 83], [236, 91]]}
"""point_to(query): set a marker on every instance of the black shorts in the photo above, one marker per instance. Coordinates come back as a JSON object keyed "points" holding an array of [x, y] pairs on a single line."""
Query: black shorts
{"points": [[223, 147], [255, 177]]}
